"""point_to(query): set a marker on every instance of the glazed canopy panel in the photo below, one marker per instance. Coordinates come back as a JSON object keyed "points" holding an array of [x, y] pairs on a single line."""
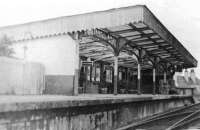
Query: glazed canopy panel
{"points": [[136, 25]]}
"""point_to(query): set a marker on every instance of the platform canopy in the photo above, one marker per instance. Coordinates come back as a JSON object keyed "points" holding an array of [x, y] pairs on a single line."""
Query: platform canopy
{"points": [[128, 32]]}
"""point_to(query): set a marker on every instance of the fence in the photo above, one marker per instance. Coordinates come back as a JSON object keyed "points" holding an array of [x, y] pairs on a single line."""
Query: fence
{"points": [[20, 78]]}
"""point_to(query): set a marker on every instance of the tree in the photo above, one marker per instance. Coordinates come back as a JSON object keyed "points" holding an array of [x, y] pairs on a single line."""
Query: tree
{"points": [[5, 46]]}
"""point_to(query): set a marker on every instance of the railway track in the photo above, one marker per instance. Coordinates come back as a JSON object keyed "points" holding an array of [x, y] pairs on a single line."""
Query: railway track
{"points": [[170, 120]]}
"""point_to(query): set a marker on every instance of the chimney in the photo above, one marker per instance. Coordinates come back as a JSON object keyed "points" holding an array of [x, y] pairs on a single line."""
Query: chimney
{"points": [[186, 76], [192, 75]]}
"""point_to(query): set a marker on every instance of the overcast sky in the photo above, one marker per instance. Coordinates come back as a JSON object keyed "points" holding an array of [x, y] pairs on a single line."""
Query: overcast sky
{"points": [[181, 17]]}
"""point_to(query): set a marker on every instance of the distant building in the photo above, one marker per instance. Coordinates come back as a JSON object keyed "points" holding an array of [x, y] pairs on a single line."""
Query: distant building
{"points": [[187, 80]]}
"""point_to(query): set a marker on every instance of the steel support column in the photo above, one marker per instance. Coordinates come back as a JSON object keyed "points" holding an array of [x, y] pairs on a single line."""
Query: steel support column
{"points": [[76, 72], [115, 74], [127, 76], [101, 73], [139, 79], [165, 77], [154, 80]]}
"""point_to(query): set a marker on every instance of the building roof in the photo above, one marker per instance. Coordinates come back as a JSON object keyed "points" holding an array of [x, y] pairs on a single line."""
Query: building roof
{"points": [[136, 24]]}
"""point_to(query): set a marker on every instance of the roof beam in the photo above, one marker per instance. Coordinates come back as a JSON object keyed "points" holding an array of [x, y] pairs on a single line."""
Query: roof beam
{"points": [[142, 35], [129, 43], [154, 41], [128, 30], [145, 40]]}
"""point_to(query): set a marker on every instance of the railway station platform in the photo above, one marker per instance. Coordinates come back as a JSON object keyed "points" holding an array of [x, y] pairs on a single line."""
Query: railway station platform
{"points": [[118, 51], [36, 102], [87, 111]]}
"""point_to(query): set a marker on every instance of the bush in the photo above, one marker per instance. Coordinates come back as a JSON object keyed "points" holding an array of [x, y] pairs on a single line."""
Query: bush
{"points": [[5, 47]]}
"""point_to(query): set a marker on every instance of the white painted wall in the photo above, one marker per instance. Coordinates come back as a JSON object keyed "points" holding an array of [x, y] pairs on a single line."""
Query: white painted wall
{"points": [[57, 54]]}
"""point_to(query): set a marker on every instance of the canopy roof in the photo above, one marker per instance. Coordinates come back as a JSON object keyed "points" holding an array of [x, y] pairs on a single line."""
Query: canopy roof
{"points": [[136, 25]]}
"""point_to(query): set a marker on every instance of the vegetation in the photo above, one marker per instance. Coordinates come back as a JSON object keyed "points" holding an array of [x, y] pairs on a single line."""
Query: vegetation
{"points": [[5, 47]]}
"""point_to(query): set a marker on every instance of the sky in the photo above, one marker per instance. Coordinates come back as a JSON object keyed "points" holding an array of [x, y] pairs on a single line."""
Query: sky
{"points": [[181, 17]]}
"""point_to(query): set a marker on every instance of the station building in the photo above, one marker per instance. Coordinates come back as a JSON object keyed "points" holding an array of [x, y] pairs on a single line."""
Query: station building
{"points": [[118, 51], [126, 50]]}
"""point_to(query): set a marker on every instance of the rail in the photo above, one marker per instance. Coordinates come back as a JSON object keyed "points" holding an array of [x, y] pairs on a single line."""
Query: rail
{"points": [[189, 113]]}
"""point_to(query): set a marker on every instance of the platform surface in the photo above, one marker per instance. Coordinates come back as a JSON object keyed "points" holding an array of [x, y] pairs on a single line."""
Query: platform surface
{"points": [[35, 102]]}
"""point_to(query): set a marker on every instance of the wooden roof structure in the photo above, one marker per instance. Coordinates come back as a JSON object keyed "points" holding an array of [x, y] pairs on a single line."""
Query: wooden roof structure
{"points": [[129, 32]]}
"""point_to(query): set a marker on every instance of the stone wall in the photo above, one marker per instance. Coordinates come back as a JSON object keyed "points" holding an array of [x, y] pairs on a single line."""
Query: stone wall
{"points": [[95, 117]]}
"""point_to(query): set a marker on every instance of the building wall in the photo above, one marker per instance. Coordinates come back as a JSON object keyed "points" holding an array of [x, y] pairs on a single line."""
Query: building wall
{"points": [[58, 55]]}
